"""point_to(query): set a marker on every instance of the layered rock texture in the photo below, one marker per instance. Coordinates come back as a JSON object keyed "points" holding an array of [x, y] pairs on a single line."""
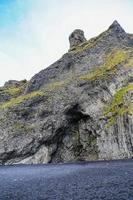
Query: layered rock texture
{"points": [[79, 108]]}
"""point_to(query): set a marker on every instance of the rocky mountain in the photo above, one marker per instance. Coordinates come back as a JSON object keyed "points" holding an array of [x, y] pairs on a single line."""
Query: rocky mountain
{"points": [[79, 108]]}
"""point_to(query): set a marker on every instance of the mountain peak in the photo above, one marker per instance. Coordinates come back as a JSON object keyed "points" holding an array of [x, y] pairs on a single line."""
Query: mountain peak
{"points": [[116, 28], [115, 23]]}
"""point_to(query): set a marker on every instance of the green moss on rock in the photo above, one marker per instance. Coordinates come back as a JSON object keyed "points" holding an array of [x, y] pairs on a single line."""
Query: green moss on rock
{"points": [[129, 63], [54, 86], [20, 99], [117, 107], [112, 61], [13, 90]]}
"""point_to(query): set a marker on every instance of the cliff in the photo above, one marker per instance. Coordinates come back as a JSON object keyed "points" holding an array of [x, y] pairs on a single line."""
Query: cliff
{"points": [[79, 108]]}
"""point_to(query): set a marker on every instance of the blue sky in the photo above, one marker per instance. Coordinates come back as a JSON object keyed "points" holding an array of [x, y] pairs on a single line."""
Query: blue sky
{"points": [[12, 11], [34, 33]]}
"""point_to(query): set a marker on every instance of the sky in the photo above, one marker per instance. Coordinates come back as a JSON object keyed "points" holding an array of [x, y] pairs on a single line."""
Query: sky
{"points": [[34, 33]]}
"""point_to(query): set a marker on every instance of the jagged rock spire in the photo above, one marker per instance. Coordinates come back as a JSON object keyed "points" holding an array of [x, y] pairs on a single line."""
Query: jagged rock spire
{"points": [[117, 29], [76, 38]]}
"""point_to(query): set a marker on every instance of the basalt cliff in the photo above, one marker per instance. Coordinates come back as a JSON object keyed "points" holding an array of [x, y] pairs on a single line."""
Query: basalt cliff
{"points": [[78, 109]]}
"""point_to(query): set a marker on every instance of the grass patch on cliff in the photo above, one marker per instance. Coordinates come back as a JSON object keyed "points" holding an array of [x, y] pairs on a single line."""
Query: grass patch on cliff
{"points": [[129, 63], [113, 59], [54, 86], [20, 99], [83, 46], [117, 107], [12, 91]]}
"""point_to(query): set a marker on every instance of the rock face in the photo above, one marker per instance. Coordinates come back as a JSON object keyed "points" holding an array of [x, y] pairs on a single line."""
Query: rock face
{"points": [[79, 108], [77, 37]]}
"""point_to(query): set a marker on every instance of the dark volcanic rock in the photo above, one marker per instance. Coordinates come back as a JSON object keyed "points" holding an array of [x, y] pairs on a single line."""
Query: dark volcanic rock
{"points": [[117, 30], [79, 108], [13, 83], [77, 37]]}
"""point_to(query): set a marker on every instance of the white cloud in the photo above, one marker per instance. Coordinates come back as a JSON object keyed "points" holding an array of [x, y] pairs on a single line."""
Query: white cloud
{"points": [[42, 36]]}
